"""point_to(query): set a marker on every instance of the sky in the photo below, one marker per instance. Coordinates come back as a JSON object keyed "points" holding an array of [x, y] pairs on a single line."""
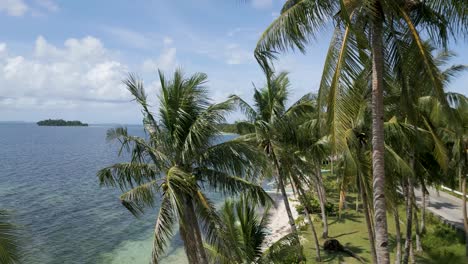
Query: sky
{"points": [[67, 59]]}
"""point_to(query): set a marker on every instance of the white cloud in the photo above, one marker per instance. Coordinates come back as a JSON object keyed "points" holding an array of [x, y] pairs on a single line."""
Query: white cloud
{"points": [[236, 55], [49, 5], [80, 71], [262, 4], [13, 7], [3, 48], [166, 61]]}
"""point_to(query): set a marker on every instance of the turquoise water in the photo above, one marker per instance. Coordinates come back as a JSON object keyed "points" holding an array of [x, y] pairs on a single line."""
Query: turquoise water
{"points": [[48, 179]]}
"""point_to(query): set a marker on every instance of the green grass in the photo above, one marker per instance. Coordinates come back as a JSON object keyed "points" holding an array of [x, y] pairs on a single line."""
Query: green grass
{"points": [[440, 243]]}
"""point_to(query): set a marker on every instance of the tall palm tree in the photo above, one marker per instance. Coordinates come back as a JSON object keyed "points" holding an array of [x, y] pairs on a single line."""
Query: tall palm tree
{"points": [[361, 27], [275, 130], [10, 249], [180, 157], [270, 107]]}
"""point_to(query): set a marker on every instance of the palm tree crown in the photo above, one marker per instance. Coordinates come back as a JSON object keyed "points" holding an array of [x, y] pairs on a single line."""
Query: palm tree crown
{"points": [[182, 155]]}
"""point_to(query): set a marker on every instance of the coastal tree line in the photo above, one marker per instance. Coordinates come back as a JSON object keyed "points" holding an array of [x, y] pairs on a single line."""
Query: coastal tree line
{"points": [[382, 115]]}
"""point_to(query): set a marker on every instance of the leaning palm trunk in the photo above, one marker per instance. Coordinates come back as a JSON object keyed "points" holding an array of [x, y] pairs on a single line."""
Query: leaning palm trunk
{"points": [[322, 200], [423, 211], [378, 169], [370, 230], [416, 222], [418, 231], [397, 236], [342, 202], [465, 217], [312, 227], [409, 221], [284, 195], [191, 235]]}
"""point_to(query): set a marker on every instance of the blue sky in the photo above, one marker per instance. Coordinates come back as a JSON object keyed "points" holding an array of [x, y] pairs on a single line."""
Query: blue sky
{"points": [[66, 59]]}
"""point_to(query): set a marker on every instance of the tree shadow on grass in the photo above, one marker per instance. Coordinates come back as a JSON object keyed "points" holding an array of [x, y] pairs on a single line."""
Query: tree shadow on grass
{"points": [[341, 257], [344, 234], [347, 217]]}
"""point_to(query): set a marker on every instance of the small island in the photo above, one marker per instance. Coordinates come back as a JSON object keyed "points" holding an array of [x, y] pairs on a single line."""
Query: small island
{"points": [[60, 122]]}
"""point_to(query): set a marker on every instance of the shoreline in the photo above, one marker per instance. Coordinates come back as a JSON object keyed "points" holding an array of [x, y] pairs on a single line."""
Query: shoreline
{"points": [[279, 222]]}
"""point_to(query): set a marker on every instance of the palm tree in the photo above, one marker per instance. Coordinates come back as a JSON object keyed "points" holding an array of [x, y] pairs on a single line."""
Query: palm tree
{"points": [[269, 108], [182, 155], [361, 27], [245, 235], [288, 137], [452, 127], [245, 232], [10, 249]]}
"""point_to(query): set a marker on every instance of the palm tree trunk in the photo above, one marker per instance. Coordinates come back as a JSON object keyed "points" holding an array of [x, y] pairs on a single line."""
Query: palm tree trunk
{"points": [[322, 200], [191, 235], [293, 188], [423, 211], [397, 236], [460, 179], [378, 147], [370, 230], [424, 205], [465, 216], [342, 202], [418, 232], [409, 221], [284, 194], [312, 227], [357, 203]]}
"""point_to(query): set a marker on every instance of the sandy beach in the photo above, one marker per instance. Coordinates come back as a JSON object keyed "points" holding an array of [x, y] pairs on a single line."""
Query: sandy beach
{"points": [[279, 224]]}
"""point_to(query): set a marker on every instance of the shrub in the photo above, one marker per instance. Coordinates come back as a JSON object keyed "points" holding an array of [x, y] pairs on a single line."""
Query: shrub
{"points": [[441, 236], [314, 206]]}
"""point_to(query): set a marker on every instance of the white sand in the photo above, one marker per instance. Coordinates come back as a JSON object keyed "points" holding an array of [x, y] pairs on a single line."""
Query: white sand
{"points": [[279, 222]]}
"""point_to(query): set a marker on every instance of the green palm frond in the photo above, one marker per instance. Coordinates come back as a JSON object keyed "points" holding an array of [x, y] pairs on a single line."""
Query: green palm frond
{"points": [[298, 22], [127, 175], [10, 245], [248, 111], [163, 231], [204, 127], [135, 86], [232, 185], [209, 218], [286, 250], [136, 199], [236, 157]]}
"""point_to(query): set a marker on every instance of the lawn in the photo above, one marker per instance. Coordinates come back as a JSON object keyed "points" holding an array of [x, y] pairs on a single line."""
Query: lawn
{"points": [[441, 244]]}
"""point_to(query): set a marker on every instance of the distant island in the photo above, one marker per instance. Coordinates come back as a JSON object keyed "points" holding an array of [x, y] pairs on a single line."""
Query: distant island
{"points": [[60, 122]]}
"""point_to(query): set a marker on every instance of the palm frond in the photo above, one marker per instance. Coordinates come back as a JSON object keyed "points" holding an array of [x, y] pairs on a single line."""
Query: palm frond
{"points": [[127, 175], [232, 185], [163, 229], [10, 244], [298, 22], [136, 199]]}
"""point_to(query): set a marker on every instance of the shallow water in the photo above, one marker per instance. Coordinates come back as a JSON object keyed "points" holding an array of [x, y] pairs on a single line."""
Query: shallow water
{"points": [[48, 178]]}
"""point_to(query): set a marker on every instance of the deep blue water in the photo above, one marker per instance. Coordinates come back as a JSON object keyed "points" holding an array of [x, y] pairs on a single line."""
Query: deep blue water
{"points": [[48, 179]]}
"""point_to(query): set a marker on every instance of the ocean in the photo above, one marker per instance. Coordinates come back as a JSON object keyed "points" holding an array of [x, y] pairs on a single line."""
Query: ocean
{"points": [[48, 181]]}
